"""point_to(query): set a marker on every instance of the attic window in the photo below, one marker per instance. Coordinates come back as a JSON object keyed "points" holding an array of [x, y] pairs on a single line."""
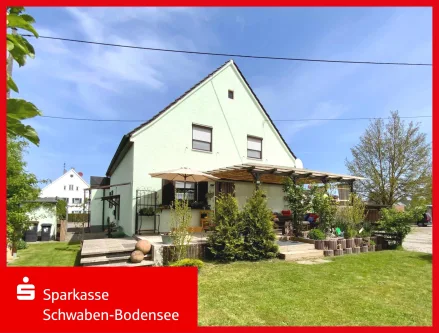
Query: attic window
{"points": [[231, 94], [71, 176]]}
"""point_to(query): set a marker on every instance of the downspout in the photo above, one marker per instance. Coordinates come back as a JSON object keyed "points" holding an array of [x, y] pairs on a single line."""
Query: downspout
{"points": [[103, 211]]}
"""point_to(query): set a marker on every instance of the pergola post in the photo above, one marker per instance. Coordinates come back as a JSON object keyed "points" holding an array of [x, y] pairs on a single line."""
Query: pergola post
{"points": [[256, 177], [351, 184], [294, 179]]}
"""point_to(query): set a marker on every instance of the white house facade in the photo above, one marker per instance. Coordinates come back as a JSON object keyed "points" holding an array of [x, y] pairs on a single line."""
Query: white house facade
{"points": [[218, 123], [72, 188]]}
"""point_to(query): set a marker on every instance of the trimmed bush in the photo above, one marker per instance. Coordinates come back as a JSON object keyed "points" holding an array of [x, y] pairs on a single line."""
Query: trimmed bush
{"points": [[188, 263], [257, 229], [21, 245], [316, 234], [226, 242]]}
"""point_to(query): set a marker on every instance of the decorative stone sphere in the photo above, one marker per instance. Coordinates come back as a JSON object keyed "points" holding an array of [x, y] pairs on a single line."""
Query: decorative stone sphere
{"points": [[136, 256], [143, 246]]}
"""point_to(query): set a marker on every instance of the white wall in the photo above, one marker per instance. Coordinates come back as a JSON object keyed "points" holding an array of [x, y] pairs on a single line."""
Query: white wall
{"points": [[124, 174], [45, 214], [96, 207], [60, 188], [275, 195], [166, 143]]}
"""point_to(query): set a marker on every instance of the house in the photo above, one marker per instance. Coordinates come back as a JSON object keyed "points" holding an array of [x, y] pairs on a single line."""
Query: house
{"points": [[72, 188], [43, 214], [217, 126]]}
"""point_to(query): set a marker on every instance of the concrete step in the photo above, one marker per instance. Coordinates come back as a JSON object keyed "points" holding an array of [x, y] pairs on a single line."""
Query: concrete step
{"points": [[108, 259], [301, 255], [144, 263]]}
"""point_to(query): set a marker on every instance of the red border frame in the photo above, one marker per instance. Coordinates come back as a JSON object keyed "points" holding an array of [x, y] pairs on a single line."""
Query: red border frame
{"points": [[232, 3]]}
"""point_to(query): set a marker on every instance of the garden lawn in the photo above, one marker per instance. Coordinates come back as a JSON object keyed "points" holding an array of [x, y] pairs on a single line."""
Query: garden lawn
{"points": [[48, 254], [379, 288]]}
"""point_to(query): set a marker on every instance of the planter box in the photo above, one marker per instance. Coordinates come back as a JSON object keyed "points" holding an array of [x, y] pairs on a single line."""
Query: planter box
{"points": [[364, 248], [338, 252], [347, 251], [356, 250], [350, 243], [331, 244], [342, 242], [328, 253], [371, 248], [358, 241], [166, 239], [319, 244]]}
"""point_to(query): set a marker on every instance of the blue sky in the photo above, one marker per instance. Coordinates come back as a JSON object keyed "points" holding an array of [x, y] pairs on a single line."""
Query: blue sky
{"points": [[87, 81]]}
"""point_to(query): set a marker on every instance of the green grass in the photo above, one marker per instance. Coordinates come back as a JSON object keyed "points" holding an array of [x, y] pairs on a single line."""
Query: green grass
{"points": [[381, 288], [48, 254]]}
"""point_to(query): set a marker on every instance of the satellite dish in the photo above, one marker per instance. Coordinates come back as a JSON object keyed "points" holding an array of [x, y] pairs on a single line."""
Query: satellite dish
{"points": [[299, 163]]}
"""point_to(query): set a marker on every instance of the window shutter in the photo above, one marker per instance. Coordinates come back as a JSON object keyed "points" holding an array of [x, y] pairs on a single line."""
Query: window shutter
{"points": [[168, 192], [202, 134], [202, 191]]}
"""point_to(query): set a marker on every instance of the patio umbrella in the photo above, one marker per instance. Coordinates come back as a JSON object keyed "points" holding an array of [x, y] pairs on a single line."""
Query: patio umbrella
{"points": [[184, 175]]}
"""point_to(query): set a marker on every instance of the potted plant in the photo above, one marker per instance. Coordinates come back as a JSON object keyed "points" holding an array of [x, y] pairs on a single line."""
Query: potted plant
{"points": [[348, 235], [166, 238]]}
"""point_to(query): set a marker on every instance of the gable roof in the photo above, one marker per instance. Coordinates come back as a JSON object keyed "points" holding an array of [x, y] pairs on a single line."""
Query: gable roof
{"points": [[125, 139], [74, 171]]}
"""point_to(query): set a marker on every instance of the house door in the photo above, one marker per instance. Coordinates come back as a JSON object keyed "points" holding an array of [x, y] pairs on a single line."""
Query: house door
{"points": [[224, 187]]}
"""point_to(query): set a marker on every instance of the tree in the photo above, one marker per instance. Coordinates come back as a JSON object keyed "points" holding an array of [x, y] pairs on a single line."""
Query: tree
{"points": [[324, 206], [180, 222], [257, 229], [299, 201], [225, 243], [19, 49], [394, 158], [22, 187]]}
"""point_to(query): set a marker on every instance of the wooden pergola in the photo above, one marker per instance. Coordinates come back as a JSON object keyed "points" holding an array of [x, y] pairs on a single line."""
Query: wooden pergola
{"points": [[273, 174]]}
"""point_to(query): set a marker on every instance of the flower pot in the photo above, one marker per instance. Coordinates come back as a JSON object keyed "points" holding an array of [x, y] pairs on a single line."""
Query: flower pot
{"points": [[358, 241], [364, 248], [347, 251], [319, 244], [342, 242], [371, 248], [350, 243], [166, 239], [338, 252]]}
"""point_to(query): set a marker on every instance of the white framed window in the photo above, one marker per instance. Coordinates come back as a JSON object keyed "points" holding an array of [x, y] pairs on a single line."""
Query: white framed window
{"points": [[231, 94], [201, 138], [70, 187], [77, 200], [182, 191], [77, 188], [254, 147], [65, 187]]}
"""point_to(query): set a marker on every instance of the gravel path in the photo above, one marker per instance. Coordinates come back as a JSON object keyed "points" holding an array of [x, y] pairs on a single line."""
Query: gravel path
{"points": [[419, 239]]}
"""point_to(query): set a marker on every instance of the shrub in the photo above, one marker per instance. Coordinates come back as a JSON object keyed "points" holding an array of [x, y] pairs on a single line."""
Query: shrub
{"points": [[21, 245], [398, 222], [325, 206], [350, 233], [188, 263], [180, 221], [257, 229], [299, 201], [316, 234], [225, 243]]}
